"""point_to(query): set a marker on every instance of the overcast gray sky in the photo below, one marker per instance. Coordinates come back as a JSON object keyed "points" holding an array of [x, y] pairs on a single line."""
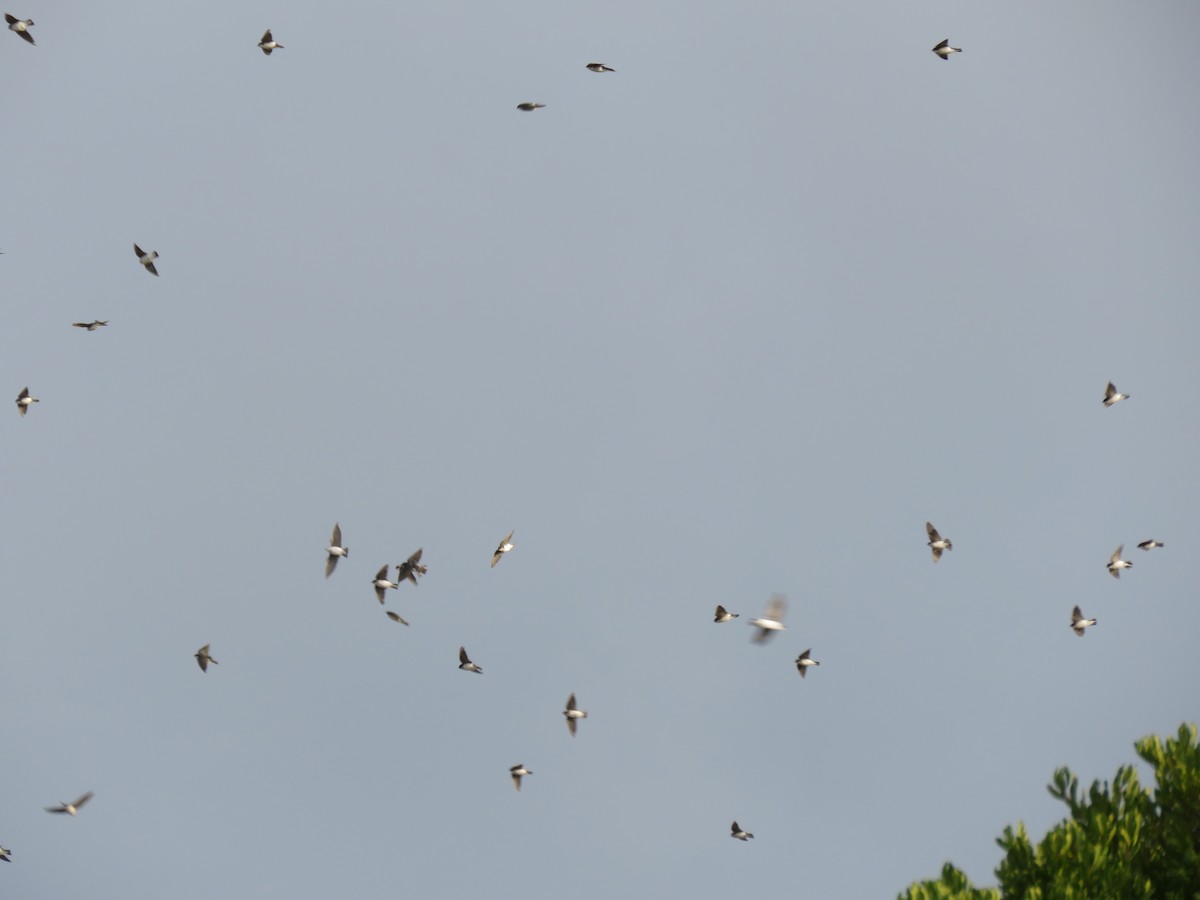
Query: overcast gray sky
{"points": [[736, 319]]}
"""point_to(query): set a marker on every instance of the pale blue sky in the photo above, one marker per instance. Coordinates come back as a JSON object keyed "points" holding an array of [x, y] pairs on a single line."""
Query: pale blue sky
{"points": [[736, 319]]}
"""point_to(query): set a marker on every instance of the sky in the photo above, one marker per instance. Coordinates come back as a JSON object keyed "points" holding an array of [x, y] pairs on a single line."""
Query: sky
{"points": [[736, 319]]}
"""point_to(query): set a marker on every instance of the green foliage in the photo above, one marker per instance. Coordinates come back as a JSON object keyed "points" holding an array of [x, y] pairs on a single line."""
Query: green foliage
{"points": [[1118, 841], [953, 885]]}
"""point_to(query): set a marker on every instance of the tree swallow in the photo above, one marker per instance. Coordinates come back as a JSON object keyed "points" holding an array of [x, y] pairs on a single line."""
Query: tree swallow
{"points": [[146, 259], [464, 662], [381, 582], [70, 808], [1116, 564], [395, 617], [1112, 395], [20, 26], [944, 49], [937, 543], [573, 714], [803, 662], [516, 772], [1079, 623], [530, 107], [771, 620], [505, 546], [268, 43], [90, 326], [737, 832], [724, 615], [335, 550], [1150, 545], [599, 67], [410, 568], [4, 854], [24, 401], [203, 658]]}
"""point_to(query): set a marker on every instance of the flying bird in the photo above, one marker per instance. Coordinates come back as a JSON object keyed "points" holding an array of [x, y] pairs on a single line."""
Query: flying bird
{"points": [[146, 259], [381, 582], [90, 326], [505, 546], [803, 661], [573, 714], [4, 854], [268, 43], [1116, 564], [724, 615], [20, 26], [516, 772], [772, 619], [944, 49], [530, 107], [203, 658], [1079, 623], [24, 401], [410, 568], [600, 67], [464, 662], [336, 551], [395, 617], [1112, 395], [70, 808], [737, 832], [1150, 545], [937, 543]]}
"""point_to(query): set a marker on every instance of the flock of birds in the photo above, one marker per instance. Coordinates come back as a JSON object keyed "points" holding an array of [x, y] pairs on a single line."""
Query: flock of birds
{"points": [[939, 544], [411, 569], [770, 622]]}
